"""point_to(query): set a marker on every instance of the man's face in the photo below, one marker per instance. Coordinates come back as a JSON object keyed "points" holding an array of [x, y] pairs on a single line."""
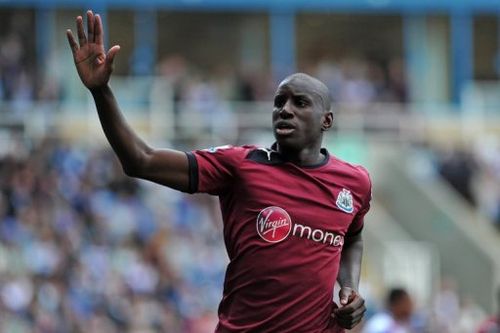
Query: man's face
{"points": [[299, 115], [403, 309]]}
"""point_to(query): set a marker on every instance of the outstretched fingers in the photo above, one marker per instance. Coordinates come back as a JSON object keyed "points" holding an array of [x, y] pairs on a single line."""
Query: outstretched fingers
{"points": [[98, 30], [82, 39], [71, 41], [90, 26], [111, 56]]}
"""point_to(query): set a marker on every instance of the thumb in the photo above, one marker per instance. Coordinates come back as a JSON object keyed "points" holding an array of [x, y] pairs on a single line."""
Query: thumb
{"points": [[111, 56], [345, 294]]}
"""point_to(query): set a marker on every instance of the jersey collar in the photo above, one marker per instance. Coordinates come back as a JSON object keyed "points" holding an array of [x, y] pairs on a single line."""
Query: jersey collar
{"points": [[323, 151]]}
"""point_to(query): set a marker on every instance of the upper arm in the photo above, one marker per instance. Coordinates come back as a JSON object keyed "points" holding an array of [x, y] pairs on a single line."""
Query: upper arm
{"points": [[358, 220], [208, 170], [164, 166], [214, 170], [354, 239]]}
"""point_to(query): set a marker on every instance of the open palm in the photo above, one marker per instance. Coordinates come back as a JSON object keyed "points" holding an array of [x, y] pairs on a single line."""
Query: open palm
{"points": [[94, 66]]}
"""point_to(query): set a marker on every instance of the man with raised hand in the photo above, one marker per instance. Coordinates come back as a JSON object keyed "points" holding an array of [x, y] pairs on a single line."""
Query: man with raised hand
{"points": [[292, 213]]}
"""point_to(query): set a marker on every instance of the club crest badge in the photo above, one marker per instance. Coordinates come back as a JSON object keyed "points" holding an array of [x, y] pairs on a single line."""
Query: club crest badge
{"points": [[344, 201]]}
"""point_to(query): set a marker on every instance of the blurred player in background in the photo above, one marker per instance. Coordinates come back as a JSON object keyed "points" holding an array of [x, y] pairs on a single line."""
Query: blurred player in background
{"points": [[293, 214], [396, 319], [492, 324]]}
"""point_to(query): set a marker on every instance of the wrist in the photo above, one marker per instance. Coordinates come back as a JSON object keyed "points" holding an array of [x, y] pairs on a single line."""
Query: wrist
{"points": [[99, 90], [346, 280], [349, 286]]}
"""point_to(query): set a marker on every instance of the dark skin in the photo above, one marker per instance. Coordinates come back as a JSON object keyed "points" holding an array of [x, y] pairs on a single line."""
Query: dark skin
{"points": [[402, 309], [302, 106], [301, 114], [302, 103], [352, 305]]}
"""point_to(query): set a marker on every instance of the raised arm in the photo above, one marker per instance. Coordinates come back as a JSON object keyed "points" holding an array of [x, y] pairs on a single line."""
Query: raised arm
{"points": [[167, 167]]}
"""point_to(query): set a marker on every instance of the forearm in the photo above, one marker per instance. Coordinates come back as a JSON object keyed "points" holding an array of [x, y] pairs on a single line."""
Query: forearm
{"points": [[94, 66], [129, 148], [350, 263]]}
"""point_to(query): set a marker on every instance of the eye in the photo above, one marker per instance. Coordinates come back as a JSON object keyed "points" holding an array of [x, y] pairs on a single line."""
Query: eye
{"points": [[279, 101], [301, 102]]}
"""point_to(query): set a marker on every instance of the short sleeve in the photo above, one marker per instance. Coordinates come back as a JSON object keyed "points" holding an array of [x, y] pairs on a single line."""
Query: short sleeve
{"points": [[213, 170], [358, 222]]}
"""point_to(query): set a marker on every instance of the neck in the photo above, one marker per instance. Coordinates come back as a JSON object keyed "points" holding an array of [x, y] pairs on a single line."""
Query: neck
{"points": [[305, 156]]}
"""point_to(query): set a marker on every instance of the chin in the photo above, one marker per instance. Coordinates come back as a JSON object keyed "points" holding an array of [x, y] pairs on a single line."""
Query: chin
{"points": [[288, 142]]}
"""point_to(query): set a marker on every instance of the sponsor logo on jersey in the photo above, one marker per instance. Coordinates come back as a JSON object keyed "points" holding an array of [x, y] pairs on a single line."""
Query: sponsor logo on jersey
{"points": [[273, 224], [344, 201], [317, 235]]}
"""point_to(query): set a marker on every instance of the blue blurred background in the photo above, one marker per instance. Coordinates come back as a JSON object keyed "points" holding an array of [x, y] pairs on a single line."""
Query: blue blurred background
{"points": [[416, 83]]}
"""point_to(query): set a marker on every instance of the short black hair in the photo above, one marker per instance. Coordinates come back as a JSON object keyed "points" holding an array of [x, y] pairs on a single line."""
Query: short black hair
{"points": [[395, 295]]}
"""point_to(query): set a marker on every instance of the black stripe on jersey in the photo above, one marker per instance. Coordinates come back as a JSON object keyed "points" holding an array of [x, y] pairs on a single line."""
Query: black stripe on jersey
{"points": [[271, 156], [193, 173], [265, 156]]}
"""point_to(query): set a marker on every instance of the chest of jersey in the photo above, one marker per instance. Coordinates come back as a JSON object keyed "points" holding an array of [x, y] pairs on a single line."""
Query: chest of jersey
{"points": [[285, 201]]}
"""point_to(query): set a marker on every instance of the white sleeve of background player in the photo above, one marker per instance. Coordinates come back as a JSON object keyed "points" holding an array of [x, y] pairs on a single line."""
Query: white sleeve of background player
{"points": [[359, 220], [213, 170]]}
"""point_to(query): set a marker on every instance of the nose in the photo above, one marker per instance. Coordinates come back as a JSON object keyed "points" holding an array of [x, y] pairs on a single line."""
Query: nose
{"points": [[286, 110]]}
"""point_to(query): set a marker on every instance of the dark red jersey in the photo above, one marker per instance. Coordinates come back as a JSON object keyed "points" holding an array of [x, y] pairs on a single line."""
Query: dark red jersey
{"points": [[284, 228]]}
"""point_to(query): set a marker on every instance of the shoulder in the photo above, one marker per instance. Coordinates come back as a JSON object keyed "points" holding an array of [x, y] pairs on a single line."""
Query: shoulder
{"points": [[227, 156], [260, 155], [226, 151], [358, 172]]}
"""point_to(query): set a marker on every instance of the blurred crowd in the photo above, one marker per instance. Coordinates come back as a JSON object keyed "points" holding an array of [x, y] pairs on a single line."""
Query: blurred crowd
{"points": [[352, 81], [471, 170], [358, 82], [474, 172], [355, 81], [448, 313], [17, 65], [83, 249]]}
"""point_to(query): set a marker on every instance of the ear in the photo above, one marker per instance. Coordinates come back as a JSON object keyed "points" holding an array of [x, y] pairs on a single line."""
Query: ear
{"points": [[327, 121]]}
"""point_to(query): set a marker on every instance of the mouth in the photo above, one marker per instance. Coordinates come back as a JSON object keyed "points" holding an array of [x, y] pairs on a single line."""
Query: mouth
{"points": [[283, 128]]}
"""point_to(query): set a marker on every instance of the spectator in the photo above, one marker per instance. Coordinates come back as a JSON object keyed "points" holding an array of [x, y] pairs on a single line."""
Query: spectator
{"points": [[470, 316], [396, 319], [447, 307], [458, 169], [492, 324]]}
